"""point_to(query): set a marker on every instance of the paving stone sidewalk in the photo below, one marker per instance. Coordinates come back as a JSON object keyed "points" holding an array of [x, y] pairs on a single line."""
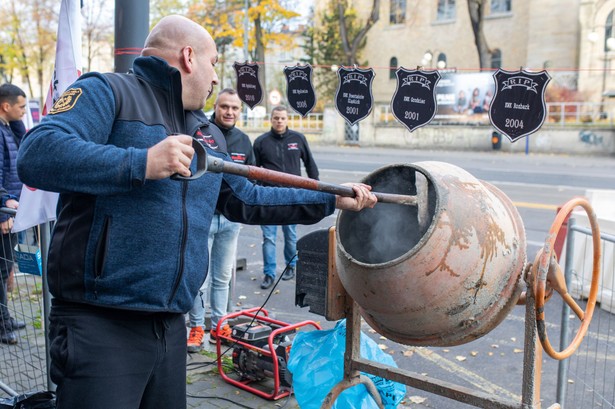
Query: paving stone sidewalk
{"points": [[207, 389]]}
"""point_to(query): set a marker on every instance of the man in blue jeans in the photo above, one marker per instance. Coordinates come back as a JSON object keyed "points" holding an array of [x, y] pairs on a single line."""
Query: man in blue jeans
{"points": [[282, 149], [223, 233]]}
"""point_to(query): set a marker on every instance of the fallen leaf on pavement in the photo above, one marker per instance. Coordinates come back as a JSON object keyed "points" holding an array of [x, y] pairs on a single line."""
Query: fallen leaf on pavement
{"points": [[417, 399]]}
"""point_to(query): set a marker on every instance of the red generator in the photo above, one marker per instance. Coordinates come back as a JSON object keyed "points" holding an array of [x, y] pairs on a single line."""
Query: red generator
{"points": [[260, 349]]}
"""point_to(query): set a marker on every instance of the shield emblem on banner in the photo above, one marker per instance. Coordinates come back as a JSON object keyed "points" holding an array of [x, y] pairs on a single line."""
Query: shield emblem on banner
{"points": [[299, 90], [518, 107], [248, 85], [414, 102], [353, 98]]}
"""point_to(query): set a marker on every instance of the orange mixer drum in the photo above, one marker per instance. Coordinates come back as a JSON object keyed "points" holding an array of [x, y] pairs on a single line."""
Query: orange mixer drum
{"points": [[442, 273]]}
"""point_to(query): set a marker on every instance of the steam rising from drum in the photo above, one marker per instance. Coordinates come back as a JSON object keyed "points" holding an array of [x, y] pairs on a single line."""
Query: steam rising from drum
{"points": [[387, 231]]}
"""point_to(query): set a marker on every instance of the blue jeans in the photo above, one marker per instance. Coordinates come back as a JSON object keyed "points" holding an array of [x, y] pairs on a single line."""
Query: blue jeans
{"points": [[222, 246], [290, 247]]}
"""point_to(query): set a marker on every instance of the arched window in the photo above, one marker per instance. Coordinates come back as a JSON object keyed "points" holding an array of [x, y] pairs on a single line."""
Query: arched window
{"points": [[392, 68], [608, 32], [441, 61], [496, 58]]}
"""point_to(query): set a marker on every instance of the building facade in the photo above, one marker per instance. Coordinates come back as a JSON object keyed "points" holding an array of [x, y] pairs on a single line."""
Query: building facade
{"points": [[569, 38]]}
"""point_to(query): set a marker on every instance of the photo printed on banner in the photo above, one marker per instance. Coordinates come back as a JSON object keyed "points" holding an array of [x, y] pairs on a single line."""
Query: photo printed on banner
{"points": [[299, 90], [353, 98], [248, 85], [414, 102], [518, 107]]}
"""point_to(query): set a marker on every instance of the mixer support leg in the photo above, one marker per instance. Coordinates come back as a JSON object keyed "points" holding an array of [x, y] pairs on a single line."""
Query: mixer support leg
{"points": [[532, 359], [352, 376]]}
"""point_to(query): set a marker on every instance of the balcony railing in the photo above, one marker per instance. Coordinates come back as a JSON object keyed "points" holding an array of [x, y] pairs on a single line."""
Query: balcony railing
{"points": [[587, 114]]}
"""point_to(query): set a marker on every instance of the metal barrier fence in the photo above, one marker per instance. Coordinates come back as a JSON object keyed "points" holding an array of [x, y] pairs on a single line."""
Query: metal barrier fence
{"points": [[23, 366], [587, 378], [590, 114], [311, 123]]}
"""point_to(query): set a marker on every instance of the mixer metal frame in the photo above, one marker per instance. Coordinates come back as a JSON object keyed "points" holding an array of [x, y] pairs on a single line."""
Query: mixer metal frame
{"points": [[354, 364], [341, 305]]}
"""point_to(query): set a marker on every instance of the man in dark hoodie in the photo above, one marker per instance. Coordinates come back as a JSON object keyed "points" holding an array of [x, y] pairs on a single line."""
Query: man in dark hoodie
{"points": [[283, 150]]}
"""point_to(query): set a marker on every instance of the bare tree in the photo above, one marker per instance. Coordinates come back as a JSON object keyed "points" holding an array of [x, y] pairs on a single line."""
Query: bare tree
{"points": [[97, 26], [30, 36], [353, 45], [476, 8]]}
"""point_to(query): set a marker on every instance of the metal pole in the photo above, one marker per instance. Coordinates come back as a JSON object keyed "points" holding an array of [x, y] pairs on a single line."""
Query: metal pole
{"points": [[45, 239], [531, 351], [131, 29], [246, 55], [246, 27], [562, 367]]}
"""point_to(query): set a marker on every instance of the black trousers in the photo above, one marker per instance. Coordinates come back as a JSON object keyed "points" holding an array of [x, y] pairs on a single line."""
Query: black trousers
{"points": [[102, 358]]}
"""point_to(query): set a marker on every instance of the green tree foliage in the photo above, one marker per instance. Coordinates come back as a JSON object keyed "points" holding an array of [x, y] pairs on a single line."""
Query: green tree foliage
{"points": [[326, 49], [160, 8]]}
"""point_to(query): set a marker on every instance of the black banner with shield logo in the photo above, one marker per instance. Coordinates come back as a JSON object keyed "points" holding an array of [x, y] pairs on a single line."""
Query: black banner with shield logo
{"points": [[414, 102], [299, 90], [518, 107], [248, 85], [353, 98]]}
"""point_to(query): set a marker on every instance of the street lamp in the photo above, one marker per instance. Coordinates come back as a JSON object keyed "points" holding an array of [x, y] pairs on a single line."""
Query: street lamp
{"points": [[428, 58]]}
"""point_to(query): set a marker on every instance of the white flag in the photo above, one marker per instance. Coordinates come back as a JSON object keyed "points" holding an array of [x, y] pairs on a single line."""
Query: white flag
{"points": [[27, 119], [37, 206]]}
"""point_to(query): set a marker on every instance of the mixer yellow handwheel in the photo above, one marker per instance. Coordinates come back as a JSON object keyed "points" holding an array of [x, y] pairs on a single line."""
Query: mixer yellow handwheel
{"points": [[546, 269]]}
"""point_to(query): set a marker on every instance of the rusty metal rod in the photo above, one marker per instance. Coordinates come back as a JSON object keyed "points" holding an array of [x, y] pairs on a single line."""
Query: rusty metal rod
{"points": [[218, 165]]}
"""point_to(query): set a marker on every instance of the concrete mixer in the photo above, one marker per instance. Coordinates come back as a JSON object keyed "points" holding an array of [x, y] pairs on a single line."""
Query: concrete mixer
{"points": [[439, 261]]}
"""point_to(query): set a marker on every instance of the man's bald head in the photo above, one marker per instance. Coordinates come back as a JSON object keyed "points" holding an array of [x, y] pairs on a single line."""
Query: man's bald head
{"points": [[187, 46], [171, 34]]}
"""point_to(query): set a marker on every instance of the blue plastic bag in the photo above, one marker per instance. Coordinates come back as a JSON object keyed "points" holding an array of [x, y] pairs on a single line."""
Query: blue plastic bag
{"points": [[317, 365]]}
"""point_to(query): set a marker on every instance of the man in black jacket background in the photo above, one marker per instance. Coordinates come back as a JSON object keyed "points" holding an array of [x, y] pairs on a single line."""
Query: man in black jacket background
{"points": [[282, 149]]}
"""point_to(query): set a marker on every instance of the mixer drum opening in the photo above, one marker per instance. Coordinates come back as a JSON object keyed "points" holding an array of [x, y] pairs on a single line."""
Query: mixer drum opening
{"points": [[388, 231], [441, 273]]}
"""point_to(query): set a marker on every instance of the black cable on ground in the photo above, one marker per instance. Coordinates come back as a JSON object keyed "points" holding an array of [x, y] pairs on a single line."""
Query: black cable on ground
{"points": [[218, 397]]}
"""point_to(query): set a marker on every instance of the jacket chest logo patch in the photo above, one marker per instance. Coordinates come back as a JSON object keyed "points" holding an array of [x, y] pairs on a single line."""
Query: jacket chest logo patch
{"points": [[293, 146], [67, 101], [238, 157], [207, 140]]}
